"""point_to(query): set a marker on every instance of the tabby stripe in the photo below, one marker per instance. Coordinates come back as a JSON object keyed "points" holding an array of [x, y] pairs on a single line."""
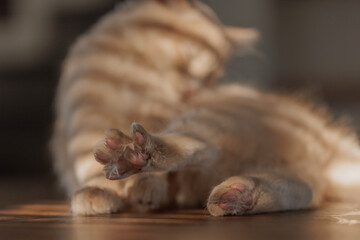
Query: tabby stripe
{"points": [[110, 65], [113, 44], [183, 34], [86, 94], [97, 76], [182, 23], [96, 93], [126, 72], [265, 112], [88, 118]]}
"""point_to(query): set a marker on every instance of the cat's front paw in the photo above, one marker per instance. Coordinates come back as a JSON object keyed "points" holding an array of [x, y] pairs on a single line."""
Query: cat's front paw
{"points": [[235, 196], [93, 201], [123, 155]]}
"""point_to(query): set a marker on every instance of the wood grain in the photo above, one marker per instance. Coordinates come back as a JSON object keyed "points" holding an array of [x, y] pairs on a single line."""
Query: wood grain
{"points": [[29, 210], [52, 220]]}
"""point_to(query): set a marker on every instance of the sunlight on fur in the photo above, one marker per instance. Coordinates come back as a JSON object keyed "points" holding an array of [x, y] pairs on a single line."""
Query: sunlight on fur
{"points": [[196, 142], [345, 173]]}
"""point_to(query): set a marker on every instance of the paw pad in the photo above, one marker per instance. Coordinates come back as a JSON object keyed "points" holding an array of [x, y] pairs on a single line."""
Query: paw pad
{"points": [[123, 155], [231, 198]]}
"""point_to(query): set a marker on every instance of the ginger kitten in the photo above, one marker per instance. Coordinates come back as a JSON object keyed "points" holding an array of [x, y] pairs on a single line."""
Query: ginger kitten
{"points": [[232, 148], [142, 62], [253, 152]]}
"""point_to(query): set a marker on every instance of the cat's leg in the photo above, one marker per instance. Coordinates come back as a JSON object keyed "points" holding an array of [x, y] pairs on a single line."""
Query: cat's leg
{"points": [[258, 193], [147, 191], [99, 196], [143, 192], [144, 160], [94, 200], [125, 155]]}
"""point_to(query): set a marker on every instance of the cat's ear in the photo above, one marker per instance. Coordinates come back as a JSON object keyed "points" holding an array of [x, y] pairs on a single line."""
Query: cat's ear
{"points": [[242, 38]]}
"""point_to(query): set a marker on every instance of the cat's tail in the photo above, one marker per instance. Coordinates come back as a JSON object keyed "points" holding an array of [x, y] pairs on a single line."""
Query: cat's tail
{"points": [[344, 177]]}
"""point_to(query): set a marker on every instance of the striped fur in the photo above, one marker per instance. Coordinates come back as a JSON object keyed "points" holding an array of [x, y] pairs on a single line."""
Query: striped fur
{"points": [[156, 62], [139, 63]]}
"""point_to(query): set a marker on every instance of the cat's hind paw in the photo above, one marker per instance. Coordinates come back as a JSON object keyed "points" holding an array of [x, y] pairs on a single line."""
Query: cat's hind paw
{"points": [[123, 155], [235, 196]]}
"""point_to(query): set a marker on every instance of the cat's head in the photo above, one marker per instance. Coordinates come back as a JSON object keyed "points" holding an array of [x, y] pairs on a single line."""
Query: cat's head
{"points": [[194, 39], [217, 42]]}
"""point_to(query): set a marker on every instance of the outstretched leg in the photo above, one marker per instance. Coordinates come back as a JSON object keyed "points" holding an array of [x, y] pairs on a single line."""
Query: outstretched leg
{"points": [[123, 155], [131, 157], [95, 200], [258, 193], [133, 160], [147, 191]]}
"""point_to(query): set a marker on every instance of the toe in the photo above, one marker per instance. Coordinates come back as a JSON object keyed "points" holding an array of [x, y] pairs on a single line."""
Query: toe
{"points": [[139, 138], [112, 143], [246, 199], [229, 196], [101, 157], [226, 206], [140, 135], [238, 186], [138, 160], [103, 153]]}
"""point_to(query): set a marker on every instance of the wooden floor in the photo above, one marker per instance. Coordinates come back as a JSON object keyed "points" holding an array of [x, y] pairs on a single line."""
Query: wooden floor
{"points": [[51, 219]]}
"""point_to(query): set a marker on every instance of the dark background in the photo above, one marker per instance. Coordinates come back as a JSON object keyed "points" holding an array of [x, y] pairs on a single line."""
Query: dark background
{"points": [[307, 46], [28, 82]]}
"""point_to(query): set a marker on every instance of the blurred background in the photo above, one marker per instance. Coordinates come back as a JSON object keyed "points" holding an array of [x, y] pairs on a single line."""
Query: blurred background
{"points": [[309, 46]]}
